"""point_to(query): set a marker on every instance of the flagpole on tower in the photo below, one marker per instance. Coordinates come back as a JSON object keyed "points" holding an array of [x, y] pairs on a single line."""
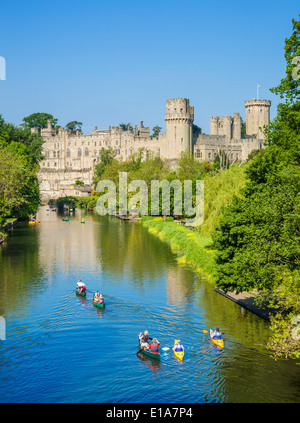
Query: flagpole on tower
{"points": [[257, 90]]}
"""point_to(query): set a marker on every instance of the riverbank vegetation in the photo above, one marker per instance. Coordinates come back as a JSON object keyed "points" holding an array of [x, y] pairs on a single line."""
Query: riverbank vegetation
{"points": [[20, 153], [191, 247], [257, 240]]}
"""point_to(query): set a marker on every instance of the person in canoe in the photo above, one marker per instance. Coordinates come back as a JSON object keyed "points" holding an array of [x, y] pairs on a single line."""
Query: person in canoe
{"points": [[80, 287], [178, 347], [144, 339], [216, 334], [154, 345], [96, 296]]}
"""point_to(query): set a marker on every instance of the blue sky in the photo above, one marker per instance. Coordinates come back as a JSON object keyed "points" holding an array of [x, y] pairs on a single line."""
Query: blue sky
{"points": [[103, 63]]}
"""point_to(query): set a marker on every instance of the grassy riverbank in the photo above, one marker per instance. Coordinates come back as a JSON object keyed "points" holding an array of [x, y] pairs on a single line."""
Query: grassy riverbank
{"points": [[194, 248], [191, 247]]}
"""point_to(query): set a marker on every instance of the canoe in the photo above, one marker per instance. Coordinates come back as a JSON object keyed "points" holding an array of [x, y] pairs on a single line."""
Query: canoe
{"points": [[65, 220], [149, 353], [218, 342], [178, 354], [81, 294], [99, 305], [32, 222]]}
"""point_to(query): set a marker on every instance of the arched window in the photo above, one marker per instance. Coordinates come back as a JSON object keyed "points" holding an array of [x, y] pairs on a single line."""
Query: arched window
{"points": [[57, 155], [47, 154], [68, 153], [79, 152], [86, 152], [54, 153]]}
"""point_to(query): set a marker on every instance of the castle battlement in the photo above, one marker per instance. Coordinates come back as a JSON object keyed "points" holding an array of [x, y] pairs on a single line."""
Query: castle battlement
{"points": [[71, 156]]}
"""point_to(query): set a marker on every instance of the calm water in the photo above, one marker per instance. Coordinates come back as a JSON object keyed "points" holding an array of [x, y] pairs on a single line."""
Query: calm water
{"points": [[60, 348]]}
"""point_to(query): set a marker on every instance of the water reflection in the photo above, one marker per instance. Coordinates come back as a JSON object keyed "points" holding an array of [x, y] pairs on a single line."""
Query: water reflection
{"points": [[145, 289], [21, 270]]}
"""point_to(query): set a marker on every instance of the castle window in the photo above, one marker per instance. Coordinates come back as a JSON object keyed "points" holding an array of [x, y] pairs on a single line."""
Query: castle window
{"points": [[48, 164], [57, 154], [86, 152], [68, 153], [181, 110], [47, 154], [54, 153], [209, 155], [79, 152], [54, 163], [198, 154]]}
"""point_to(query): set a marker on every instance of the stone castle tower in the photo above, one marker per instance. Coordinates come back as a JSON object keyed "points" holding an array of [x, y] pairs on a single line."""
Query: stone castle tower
{"points": [[179, 120], [257, 116], [69, 156]]}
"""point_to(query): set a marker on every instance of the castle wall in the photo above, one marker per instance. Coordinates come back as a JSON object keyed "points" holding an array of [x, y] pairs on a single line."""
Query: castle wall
{"points": [[69, 157]]}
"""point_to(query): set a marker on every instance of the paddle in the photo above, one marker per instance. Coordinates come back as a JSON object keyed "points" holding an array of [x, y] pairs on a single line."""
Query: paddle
{"points": [[207, 331], [144, 347]]}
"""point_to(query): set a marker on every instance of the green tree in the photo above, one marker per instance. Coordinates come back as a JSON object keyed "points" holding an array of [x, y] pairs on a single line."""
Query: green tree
{"points": [[196, 130], [19, 189], [126, 127], [258, 238], [11, 133], [74, 126], [289, 86], [107, 155], [38, 120], [156, 131]]}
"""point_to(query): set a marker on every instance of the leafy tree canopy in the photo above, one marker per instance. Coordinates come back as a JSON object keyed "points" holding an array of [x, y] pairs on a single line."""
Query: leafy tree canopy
{"points": [[38, 120], [74, 126]]}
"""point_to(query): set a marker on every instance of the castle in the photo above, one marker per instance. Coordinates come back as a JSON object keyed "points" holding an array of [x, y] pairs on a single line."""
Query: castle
{"points": [[70, 157]]}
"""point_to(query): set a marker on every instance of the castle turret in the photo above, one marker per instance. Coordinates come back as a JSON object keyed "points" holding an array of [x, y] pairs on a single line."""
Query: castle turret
{"points": [[221, 125], [49, 131], [237, 126], [179, 120], [257, 116]]}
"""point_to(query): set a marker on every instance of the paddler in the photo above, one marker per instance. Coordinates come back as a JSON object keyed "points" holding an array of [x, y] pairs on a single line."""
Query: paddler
{"points": [[154, 345], [80, 286], [216, 334], [144, 339], [178, 347]]}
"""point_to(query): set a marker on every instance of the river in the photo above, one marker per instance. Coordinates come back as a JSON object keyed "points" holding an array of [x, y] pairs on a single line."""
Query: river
{"points": [[60, 348]]}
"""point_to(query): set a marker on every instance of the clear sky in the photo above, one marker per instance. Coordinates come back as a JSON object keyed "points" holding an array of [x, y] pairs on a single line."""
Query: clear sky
{"points": [[108, 62]]}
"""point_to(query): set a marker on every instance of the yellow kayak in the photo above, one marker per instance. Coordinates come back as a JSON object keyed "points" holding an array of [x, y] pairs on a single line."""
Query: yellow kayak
{"points": [[178, 354], [32, 222], [218, 342]]}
